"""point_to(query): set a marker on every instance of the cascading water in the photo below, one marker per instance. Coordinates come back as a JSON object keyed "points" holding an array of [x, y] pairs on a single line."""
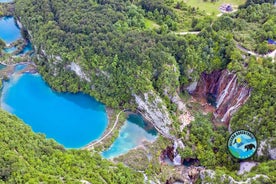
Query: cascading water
{"points": [[225, 92], [223, 85], [177, 157], [243, 96]]}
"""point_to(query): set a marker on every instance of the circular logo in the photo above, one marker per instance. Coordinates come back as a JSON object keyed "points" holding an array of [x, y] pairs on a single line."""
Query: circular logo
{"points": [[242, 144]]}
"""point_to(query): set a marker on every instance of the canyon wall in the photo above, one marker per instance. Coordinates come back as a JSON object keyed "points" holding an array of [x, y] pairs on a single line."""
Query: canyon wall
{"points": [[154, 110], [222, 90]]}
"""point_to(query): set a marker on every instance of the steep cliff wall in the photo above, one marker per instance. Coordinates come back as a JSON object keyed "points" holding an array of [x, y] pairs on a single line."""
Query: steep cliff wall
{"points": [[151, 106], [222, 90]]}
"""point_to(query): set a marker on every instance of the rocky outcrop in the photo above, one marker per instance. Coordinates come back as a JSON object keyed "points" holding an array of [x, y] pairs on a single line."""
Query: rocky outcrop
{"points": [[185, 116], [266, 149], [151, 106], [167, 153], [184, 175], [246, 167], [228, 179], [272, 153], [222, 90], [172, 154], [192, 87], [261, 148], [77, 69]]}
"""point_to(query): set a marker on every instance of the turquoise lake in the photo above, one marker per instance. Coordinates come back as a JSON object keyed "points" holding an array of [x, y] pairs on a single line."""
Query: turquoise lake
{"points": [[73, 120], [6, 1], [9, 31], [132, 134]]}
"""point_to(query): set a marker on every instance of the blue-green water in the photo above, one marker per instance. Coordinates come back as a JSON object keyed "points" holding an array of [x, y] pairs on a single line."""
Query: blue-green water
{"points": [[10, 50], [71, 119], [19, 67], [26, 49], [9, 31], [131, 135], [2, 66], [6, 1]]}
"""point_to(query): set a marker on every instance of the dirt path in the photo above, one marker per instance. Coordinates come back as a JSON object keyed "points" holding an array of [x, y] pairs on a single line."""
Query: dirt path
{"points": [[187, 32], [271, 54], [246, 50], [90, 145]]}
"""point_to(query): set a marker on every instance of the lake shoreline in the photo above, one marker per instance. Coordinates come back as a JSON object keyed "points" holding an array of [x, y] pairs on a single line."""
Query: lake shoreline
{"points": [[109, 140], [10, 60]]}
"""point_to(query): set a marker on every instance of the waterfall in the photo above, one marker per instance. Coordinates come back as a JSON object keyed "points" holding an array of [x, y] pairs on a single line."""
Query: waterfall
{"points": [[224, 85], [226, 90], [244, 94], [177, 157]]}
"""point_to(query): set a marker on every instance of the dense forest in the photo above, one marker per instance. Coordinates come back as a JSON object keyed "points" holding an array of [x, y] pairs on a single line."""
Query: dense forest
{"points": [[258, 114], [251, 27], [131, 47], [120, 56], [27, 157]]}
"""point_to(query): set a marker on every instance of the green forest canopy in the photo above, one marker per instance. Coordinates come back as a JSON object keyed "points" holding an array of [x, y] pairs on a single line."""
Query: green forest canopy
{"points": [[121, 57], [27, 157]]}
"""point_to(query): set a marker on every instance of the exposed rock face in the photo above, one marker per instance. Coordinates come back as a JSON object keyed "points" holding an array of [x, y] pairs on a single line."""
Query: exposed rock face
{"points": [[171, 153], [168, 153], [272, 153], [261, 148], [184, 175], [223, 89], [153, 109], [266, 149], [246, 167], [191, 88], [228, 179], [77, 69], [185, 116]]}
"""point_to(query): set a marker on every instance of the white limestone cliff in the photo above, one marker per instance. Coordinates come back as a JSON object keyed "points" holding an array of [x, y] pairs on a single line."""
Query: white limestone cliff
{"points": [[77, 69], [153, 109]]}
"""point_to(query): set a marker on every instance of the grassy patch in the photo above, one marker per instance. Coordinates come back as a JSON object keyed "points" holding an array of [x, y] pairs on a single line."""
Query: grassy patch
{"points": [[212, 8], [151, 24]]}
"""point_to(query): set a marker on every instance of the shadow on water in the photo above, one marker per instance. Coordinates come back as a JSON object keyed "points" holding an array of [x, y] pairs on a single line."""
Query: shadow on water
{"points": [[71, 124], [26, 49], [83, 100], [138, 120], [134, 133]]}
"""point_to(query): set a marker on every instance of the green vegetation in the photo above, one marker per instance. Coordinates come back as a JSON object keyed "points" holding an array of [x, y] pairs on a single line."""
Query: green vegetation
{"points": [[211, 7], [129, 47], [147, 159], [258, 114], [6, 9], [108, 141], [2, 44], [207, 143], [251, 27], [151, 24], [252, 2], [119, 55], [27, 157]]}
